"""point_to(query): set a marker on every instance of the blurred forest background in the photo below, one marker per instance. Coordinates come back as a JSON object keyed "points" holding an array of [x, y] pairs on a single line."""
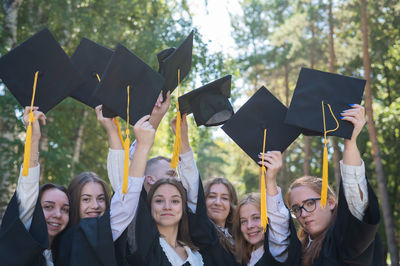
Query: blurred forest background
{"points": [[273, 38]]}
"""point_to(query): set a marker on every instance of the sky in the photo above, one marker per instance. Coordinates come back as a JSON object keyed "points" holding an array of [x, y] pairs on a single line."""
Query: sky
{"points": [[211, 18]]}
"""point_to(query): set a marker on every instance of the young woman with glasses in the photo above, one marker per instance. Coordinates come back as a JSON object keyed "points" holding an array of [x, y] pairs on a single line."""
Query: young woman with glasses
{"points": [[344, 232]]}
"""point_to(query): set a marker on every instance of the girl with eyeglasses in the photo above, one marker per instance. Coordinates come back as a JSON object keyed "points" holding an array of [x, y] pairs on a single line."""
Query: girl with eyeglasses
{"points": [[344, 232]]}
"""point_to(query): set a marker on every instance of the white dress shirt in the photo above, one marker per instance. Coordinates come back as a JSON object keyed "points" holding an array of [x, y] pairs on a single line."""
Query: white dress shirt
{"points": [[194, 258]]}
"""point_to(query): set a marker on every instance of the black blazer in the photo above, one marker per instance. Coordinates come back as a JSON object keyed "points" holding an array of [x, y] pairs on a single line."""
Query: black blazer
{"points": [[89, 242], [350, 241], [18, 246]]}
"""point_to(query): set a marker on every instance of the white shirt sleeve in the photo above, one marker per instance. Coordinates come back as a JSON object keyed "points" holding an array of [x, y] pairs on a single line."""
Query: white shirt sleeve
{"points": [[354, 180], [115, 167], [132, 149], [27, 194], [279, 232], [189, 176], [123, 207]]}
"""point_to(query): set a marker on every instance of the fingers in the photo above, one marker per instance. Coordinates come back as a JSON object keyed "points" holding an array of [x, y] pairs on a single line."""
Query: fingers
{"points": [[272, 159], [159, 100], [355, 115], [142, 120], [27, 109], [40, 116]]}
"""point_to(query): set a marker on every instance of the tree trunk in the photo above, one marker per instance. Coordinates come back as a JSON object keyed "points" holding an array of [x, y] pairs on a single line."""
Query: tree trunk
{"points": [[78, 142], [10, 8], [376, 153], [332, 69], [283, 173]]}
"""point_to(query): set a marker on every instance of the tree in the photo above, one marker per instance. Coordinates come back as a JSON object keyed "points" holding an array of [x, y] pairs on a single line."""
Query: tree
{"points": [[376, 152]]}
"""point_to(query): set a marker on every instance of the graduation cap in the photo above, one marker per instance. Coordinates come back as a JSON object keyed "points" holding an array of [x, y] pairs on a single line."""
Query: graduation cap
{"points": [[38, 73], [318, 101], [41, 53], [209, 104], [261, 111], [258, 127], [90, 59], [171, 59], [126, 69], [316, 94], [130, 89]]}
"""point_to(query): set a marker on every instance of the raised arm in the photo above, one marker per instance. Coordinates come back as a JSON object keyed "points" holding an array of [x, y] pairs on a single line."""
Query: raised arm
{"points": [[187, 167], [352, 166], [28, 187], [278, 214], [123, 207], [115, 158]]}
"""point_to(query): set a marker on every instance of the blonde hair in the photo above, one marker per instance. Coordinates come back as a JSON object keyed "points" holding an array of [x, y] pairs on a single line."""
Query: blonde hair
{"points": [[311, 251], [243, 248]]}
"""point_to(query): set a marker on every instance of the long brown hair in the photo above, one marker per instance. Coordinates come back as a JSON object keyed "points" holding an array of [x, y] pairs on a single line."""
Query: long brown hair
{"points": [[183, 227], [311, 251], [225, 242], [75, 190], [243, 248]]}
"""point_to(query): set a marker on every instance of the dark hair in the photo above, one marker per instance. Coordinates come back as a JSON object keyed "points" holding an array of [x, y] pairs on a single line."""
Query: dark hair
{"points": [[43, 188], [311, 251], [183, 227], [225, 242], [243, 248], [49, 186], [75, 190]]}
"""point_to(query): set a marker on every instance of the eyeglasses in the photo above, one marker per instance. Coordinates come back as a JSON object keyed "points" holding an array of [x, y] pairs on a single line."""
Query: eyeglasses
{"points": [[309, 205]]}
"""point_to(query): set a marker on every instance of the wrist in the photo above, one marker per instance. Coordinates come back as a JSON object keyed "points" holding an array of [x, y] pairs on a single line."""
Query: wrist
{"points": [[350, 144], [142, 148]]}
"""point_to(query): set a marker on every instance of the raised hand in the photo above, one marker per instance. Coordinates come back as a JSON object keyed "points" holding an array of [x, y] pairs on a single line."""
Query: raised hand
{"points": [[356, 116], [160, 109], [144, 132], [185, 145], [273, 163], [37, 116], [110, 127]]}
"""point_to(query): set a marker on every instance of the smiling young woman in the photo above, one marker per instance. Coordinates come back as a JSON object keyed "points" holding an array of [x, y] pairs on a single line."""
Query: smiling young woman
{"points": [[35, 216]]}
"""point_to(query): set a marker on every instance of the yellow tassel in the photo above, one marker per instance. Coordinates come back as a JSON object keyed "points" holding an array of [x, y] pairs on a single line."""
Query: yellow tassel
{"points": [[27, 152], [263, 192], [177, 143], [126, 166], [119, 130], [28, 140], [126, 149], [324, 190]]}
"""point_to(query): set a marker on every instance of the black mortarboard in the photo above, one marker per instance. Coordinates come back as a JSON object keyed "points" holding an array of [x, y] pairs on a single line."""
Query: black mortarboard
{"points": [[209, 104], [124, 69], [170, 60], [261, 111], [90, 59], [313, 87], [57, 76]]}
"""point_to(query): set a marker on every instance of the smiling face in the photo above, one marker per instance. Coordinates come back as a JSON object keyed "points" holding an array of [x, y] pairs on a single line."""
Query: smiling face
{"points": [[314, 222], [166, 206], [92, 200], [55, 207], [218, 204], [250, 224]]}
